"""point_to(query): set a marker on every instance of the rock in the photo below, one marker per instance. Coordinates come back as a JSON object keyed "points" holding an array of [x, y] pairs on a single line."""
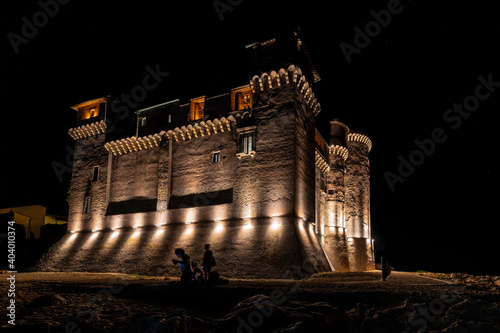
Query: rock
{"points": [[323, 307], [61, 299], [483, 279], [297, 327], [461, 326], [391, 319], [259, 314], [470, 311], [196, 324], [456, 327], [44, 300], [29, 328], [172, 322]]}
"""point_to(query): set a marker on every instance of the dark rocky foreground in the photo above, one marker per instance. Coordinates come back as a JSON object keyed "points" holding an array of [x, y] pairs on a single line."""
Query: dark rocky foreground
{"points": [[351, 302]]}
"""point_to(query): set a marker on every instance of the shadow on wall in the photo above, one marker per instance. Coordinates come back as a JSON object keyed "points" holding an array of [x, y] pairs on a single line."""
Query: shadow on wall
{"points": [[253, 248]]}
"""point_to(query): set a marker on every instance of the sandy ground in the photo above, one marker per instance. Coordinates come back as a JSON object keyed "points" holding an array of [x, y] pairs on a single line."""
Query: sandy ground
{"points": [[47, 302]]}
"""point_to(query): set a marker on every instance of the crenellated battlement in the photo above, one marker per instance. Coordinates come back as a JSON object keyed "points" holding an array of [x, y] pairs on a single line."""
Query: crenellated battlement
{"points": [[89, 130], [339, 151], [134, 144], [358, 137], [292, 75], [320, 161]]}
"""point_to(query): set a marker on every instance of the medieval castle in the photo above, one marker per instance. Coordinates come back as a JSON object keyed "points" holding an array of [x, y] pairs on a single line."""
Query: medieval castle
{"points": [[245, 171]]}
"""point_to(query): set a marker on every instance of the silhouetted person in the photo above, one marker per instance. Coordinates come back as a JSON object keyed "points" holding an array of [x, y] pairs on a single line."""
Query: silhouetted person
{"points": [[197, 273], [208, 261], [184, 264]]}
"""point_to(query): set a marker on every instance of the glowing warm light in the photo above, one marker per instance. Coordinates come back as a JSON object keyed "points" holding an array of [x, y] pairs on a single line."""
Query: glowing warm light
{"points": [[113, 229], [191, 215], [247, 226], [189, 230], [301, 225], [275, 225], [72, 237], [197, 108], [160, 231], [135, 227], [135, 234], [72, 231], [219, 228], [93, 236], [241, 98], [349, 239], [114, 234]]}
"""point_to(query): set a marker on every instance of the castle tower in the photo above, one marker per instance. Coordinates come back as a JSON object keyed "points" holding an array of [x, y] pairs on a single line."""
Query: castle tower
{"points": [[358, 229], [88, 198], [334, 241]]}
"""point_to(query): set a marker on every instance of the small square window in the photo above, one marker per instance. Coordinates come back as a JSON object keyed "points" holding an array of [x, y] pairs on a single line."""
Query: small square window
{"points": [[95, 173], [216, 157]]}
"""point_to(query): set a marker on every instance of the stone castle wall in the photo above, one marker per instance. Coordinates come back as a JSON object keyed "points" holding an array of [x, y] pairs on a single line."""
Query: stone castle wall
{"points": [[262, 230]]}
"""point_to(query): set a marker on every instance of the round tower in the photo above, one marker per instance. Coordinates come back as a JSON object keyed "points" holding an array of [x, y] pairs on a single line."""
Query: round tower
{"points": [[333, 230], [358, 228]]}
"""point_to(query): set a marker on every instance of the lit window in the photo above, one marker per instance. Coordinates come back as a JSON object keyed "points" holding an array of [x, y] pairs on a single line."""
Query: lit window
{"points": [[95, 173], [216, 157], [241, 98], [91, 109], [89, 112], [169, 118], [247, 142], [143, 121], [87, 203], [197, 108]]}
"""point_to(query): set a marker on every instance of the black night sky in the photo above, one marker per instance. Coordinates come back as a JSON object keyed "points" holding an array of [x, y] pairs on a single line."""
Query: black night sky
{"points": [[397, 89]]}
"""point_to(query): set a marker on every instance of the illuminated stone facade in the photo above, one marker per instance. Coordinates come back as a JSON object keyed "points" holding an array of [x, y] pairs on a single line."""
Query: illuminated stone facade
{"points": [[245, 171]]}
